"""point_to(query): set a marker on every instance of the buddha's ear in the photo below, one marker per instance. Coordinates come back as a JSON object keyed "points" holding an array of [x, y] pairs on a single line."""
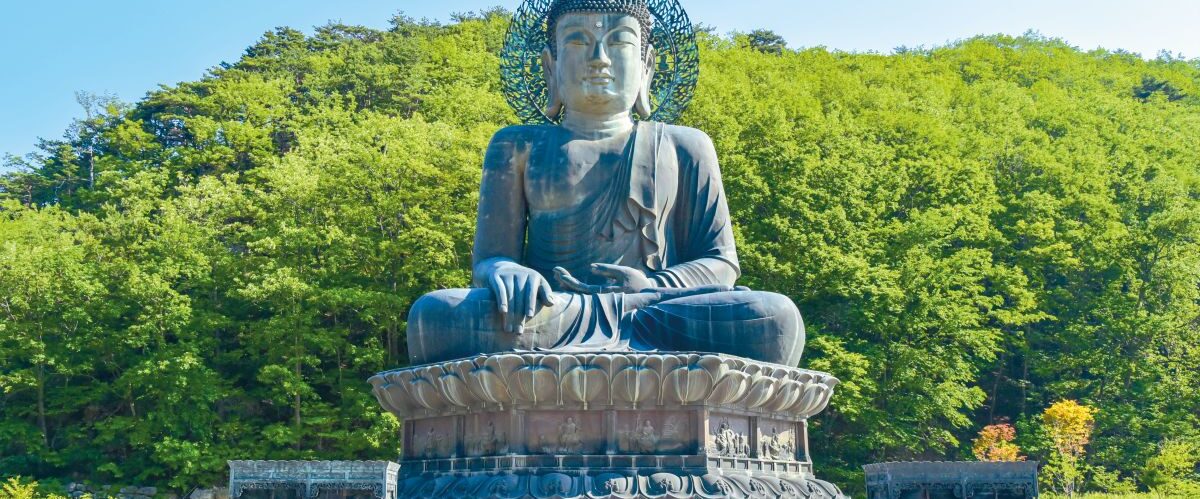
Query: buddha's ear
{"points": [[555, 104], [641, 106]]}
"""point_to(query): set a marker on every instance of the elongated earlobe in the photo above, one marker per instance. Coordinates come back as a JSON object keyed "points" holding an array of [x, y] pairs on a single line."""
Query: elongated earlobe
{"points": [[641, 106], [555, 105]]}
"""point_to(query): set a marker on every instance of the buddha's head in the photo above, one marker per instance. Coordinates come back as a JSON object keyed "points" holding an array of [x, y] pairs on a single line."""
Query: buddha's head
{"points": [[598, 61]]}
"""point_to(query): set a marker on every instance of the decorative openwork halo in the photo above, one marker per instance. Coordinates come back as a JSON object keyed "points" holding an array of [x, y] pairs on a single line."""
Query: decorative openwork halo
{"points": [[673, 38]]}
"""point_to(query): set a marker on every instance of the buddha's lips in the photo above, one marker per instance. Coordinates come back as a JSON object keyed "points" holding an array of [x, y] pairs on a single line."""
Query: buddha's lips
{"points": [[599, 79]]}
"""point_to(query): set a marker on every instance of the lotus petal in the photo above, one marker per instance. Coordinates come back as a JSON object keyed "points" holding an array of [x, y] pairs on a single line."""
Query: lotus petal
{"points": [[687, 384], [426, 393], [635, 384], [810, 394], [454, 388], [760, 392], [730, 387], [584, 383], [487, 385], [787, 391], [819, 398], [535, 383]]}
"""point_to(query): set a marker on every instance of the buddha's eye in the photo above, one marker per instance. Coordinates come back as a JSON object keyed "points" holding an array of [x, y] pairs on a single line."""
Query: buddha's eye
{"points": [[576, 39], [623, 39]]}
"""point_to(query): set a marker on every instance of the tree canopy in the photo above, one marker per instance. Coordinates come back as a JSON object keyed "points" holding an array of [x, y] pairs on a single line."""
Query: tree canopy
{"points": [[972, 232]]}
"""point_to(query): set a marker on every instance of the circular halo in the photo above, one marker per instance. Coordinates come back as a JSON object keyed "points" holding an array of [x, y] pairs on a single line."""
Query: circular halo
{"points": [[677, 64]]}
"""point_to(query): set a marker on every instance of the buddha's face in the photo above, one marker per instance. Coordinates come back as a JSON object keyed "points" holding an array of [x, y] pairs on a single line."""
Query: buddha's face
{"points": [[598, 69]]}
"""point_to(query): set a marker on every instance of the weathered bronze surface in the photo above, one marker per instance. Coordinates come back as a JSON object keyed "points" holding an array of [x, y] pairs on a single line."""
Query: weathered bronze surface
{"points": [[603, 233]]}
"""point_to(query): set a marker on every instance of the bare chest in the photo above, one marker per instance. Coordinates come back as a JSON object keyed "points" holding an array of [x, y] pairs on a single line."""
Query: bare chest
{"points": [[571, 174]]}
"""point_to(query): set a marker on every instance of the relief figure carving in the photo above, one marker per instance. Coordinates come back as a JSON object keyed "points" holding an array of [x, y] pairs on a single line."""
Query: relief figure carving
{"points": [[487, 442], [434, 444], [729, 443]]}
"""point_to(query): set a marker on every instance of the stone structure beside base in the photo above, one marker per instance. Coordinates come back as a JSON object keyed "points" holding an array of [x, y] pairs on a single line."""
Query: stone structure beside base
{"points": [[952, 480], [553, 424], [313, 479]]}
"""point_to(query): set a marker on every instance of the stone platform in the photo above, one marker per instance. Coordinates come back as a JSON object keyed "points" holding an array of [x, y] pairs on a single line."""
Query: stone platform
{"points": [[952, 480], [677, 424], [313, 479]]}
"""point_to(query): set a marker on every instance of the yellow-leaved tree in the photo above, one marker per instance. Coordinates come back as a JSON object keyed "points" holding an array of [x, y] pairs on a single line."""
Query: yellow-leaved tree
{"points": [[1069, 425]]}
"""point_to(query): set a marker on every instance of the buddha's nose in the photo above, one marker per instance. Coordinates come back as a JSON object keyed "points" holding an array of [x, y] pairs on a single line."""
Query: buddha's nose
{"points": [[599, 57]]}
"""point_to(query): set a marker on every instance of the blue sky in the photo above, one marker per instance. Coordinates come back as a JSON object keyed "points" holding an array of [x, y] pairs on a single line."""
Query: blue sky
{"points": [[50, 49]]}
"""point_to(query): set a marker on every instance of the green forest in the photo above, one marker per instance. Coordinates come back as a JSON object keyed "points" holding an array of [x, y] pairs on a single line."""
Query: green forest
{"points": [[973, 233]]}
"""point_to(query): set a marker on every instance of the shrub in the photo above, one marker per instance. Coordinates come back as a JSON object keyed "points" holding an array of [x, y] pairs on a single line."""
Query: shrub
{"points": [[994, 443]]}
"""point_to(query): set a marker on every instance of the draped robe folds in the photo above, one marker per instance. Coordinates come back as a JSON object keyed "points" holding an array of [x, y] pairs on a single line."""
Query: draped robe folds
{"points": [[663, 212]]}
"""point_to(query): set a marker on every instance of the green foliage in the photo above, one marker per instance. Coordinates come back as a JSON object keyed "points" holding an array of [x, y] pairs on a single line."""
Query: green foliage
{"points": [[765, 40], [972, 232], [1173, 469], [1111, 482], [1124, 495], [17, 488]]}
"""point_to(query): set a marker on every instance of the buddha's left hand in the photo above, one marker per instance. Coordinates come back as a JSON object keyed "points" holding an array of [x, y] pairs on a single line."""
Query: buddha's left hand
{"points": [[625, 280]]}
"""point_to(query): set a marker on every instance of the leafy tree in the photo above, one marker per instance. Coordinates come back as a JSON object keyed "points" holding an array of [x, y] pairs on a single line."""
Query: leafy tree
{"points": [[994, 443], [767, 41], [1069, 427], [1173, 469]]}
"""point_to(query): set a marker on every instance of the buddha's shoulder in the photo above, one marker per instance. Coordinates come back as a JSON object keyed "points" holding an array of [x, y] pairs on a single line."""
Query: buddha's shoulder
{"points": [[682, 134], [690, 141]]}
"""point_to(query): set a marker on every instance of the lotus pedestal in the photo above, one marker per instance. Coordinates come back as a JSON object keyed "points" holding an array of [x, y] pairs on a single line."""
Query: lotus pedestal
{"points": [[517, 425]]}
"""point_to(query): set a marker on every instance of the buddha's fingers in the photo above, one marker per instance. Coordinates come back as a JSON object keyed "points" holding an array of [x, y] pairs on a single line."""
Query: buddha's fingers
{"points": [[570, 283], [533, 287], [614, 272], [501, 293], [546, 293], [627, 279], [517, 307]]}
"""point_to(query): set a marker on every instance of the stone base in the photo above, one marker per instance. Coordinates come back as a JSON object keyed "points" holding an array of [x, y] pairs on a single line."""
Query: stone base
{"points": [[314, 479], [609, 484], [952, 480], [606, 425]]}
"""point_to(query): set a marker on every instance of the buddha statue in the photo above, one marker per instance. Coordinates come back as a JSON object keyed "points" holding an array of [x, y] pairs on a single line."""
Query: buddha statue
{"points": [[603, 232]]}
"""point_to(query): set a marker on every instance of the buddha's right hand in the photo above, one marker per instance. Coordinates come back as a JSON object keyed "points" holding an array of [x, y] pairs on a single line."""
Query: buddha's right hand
{"points": [[519, 292]]}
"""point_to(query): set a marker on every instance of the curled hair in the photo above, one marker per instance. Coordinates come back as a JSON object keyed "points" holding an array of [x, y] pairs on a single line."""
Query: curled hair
{"points": [[639, 9]]}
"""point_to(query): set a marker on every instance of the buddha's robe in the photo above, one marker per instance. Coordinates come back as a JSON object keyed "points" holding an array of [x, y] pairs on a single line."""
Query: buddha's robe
{"points": [[662, 211]]}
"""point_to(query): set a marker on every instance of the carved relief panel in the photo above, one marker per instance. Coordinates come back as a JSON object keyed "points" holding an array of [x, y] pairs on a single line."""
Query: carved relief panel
{"points": [[564, 432], [486, 434], [728, 435], [655, 432], [777, 440], [433, 438]]}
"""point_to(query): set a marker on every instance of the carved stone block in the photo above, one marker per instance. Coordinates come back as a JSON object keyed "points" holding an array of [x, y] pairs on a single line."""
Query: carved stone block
{"points": [[655, 432], [564, 432], [432, 438], [313, 479], [486, 434], [729, 436], [777, 440], [606, 425], [952, 479]]}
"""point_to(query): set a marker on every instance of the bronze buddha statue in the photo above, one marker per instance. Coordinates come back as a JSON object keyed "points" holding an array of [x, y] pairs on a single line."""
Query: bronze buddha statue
{"points": [[602, 232]]}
